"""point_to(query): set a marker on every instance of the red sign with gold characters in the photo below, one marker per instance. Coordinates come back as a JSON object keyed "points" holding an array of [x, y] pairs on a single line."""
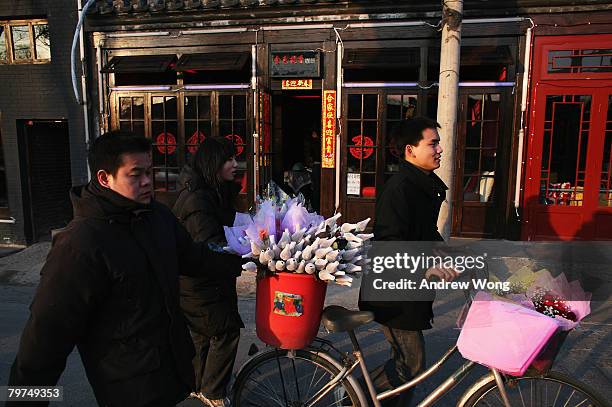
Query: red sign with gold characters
{"points": [[293, 84], [328, 139]]}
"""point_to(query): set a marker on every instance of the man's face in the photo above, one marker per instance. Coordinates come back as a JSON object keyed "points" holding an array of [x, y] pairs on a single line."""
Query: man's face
{"points": [[133, 178], [427, 154]]}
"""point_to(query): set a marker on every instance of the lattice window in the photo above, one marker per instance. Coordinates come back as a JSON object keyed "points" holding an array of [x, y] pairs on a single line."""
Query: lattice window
{"points": [[564, 149]]}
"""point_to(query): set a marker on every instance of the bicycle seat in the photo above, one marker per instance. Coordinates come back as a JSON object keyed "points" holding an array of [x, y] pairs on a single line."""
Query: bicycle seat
{"points": [[339, 319]]}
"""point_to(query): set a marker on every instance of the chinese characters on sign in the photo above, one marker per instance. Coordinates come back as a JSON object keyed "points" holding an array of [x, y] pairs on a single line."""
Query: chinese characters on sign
{"points": [[328, 138], [292, 84], [295, 64]]}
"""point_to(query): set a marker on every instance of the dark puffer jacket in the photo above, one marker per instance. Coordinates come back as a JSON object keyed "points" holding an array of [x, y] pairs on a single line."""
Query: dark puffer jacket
{"points": [[211, 301], [407, 210], [110, 287]]}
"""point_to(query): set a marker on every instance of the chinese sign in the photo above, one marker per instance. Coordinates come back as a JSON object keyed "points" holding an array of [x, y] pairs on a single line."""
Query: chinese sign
{"points": [[292, 64], [293, 84], [328, 139]]}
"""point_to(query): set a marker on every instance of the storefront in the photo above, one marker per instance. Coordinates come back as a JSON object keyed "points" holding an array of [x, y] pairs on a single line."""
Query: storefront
{"points": [[310, 93], [568, 192]]}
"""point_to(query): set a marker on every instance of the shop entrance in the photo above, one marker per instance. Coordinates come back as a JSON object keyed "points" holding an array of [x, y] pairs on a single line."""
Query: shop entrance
{"points": [[298, 139]]}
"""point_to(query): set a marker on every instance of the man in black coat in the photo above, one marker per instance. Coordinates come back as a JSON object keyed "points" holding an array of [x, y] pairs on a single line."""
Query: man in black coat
{"points": [[407, 210], [110, 287]]}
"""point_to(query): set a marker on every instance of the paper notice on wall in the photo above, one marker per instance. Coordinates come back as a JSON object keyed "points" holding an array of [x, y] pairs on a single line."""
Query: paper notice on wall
{"points": [[353, 184]]}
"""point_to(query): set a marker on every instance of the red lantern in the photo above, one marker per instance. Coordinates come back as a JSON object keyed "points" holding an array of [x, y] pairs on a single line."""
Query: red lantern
{"points": [[362, 141], [166, 138]]}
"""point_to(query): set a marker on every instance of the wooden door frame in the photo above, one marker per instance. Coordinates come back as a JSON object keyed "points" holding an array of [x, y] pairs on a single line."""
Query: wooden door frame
{"points": [[502, 160]]}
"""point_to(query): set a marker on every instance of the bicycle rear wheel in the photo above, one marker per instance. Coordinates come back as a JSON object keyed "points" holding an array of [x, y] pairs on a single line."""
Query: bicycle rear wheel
{"points": [[552, 389], [289, 379]]}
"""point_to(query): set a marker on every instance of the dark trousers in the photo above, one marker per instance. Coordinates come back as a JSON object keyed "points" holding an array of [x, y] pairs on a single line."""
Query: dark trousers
{"points": [[407, 361], [214, 362]]}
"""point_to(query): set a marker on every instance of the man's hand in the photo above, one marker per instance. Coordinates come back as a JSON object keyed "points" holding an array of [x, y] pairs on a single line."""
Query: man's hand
{"points": [[444, 274]]}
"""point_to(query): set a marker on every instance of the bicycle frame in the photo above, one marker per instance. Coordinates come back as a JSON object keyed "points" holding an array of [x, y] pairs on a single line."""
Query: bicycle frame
{"points": [[349, 365]]}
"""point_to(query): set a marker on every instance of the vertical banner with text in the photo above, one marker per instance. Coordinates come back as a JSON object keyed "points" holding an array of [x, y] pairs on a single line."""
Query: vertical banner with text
{"points": [[328, 136]]}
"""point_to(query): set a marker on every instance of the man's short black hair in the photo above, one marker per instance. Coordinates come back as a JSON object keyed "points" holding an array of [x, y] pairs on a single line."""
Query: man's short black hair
{"points": [[105, 151], [410, 131]]}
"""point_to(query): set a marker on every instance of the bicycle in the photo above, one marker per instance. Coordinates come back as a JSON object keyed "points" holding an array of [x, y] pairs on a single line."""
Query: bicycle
{"points": [[321, 375]]}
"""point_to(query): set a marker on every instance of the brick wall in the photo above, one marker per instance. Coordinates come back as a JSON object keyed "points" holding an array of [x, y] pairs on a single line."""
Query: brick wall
{"points": [[39, 92]]}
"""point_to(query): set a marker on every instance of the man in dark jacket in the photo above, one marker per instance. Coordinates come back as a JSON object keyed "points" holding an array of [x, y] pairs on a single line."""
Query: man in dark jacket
{"points": [[110, 287], [407, 210]]}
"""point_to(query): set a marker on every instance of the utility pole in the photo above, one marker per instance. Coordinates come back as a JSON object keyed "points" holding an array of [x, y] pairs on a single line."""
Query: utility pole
{"points": [[448, 97]]}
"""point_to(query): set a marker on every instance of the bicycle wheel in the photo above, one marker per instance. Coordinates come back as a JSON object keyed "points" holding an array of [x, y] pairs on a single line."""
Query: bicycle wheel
{"points": [[289, 379], [552, 389]]}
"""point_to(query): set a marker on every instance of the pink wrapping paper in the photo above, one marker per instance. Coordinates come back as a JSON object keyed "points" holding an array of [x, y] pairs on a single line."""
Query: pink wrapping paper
{"points": [[504, 335]]}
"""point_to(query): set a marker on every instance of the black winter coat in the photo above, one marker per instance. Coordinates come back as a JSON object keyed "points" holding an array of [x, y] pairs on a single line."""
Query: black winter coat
{"points": [[110, 287], [210, 304], [407, 210]]}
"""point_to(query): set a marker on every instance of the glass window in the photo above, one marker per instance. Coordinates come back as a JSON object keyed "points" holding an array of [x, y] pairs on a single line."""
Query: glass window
{"points": [[131, 114], [3, 190], [580, 60], [605, 190], [20, 34], [197, 122], [164, 135], [480, 147], [399, 107], [564, 149], [42, 44], [233, 126], [362, 145], [3, 47]]}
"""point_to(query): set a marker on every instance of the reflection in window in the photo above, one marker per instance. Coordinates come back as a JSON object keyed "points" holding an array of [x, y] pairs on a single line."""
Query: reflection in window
{"points": [[3, 47], [580, 60], [197, 122], [564, 148], [605, 191], [131, 114], [362, 145], [23, 41], [481, 141], [20, 35], [41, 41]]}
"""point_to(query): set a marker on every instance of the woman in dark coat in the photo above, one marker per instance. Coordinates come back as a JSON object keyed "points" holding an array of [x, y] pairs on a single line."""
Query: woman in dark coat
{"points": [[205, 204]]}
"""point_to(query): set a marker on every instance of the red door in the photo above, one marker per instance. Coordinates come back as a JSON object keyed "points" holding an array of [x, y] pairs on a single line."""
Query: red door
{"points": [[568, 183], [569, 193]]}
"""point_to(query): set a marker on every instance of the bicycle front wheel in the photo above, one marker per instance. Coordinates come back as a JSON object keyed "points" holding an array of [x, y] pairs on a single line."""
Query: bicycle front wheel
{"points": [[552, 389], [290, 379]]}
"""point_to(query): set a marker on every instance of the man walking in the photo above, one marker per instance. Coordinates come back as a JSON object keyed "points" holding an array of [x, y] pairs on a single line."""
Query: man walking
{"points": [[407, 210], [110, 287]]}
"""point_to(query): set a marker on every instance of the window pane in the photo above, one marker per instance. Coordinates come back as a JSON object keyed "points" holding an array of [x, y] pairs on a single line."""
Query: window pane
{"points": [[204, 107], [563, 164], [42, 43], [605, 191], [21, 42], [354, 106], [170, 110], [225, 107], [137, 108], [239, 107], [157, 108], [125, 108], [3, 54], [191, 107], [370, 106]]}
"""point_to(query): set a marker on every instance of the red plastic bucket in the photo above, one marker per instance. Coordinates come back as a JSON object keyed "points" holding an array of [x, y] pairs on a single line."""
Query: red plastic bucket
{"points": [[288, 310]]}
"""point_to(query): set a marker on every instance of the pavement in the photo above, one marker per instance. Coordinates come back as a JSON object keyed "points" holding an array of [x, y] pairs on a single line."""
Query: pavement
{"points": [[586, 355]]}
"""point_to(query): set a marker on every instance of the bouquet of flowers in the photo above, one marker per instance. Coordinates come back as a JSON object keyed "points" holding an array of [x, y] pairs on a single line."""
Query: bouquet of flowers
{"points": [[525, 326], [555, 297], [283, 237]]}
